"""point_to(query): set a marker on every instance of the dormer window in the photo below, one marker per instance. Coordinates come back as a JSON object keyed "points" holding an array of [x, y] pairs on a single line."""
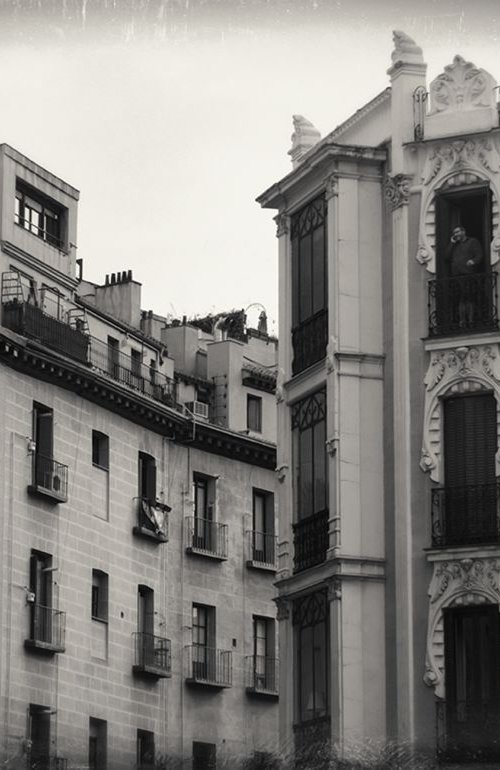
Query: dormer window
{"points": [[39, 215]]}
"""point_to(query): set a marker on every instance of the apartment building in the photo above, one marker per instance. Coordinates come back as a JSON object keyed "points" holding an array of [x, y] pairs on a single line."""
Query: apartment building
{"points": [[138, 537], [389, 395]]}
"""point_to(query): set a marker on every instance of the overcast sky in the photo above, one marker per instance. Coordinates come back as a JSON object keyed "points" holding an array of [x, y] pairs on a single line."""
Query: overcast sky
{"points": [[171, 116]]}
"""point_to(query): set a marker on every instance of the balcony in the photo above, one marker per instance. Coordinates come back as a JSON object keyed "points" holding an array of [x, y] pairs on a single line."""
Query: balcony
{"points": [[152, 520], [208, 667], [463, 304], [47, 630], [152, 655], [31, 321], [49, 479], [310, 541], [262, 550], [309, 340], [467, 515], [468, 731], [206, 538], [261, 675], [127, 371]]}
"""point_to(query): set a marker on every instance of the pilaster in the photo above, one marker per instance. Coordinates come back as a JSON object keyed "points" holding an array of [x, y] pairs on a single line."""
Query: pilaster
{"points": [[286, 671], [336, 664]]}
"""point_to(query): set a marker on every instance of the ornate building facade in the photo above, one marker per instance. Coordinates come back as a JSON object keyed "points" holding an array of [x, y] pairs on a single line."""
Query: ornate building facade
{"points": [[388, 415]]}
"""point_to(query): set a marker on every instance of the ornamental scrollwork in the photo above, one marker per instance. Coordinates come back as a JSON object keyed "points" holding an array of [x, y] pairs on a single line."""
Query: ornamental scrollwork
{"points": [[282, 224], [397, 190]]}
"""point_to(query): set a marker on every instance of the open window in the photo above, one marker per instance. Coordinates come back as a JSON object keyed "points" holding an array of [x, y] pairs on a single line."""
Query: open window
{"points": [[40, 215], [470, 208]]}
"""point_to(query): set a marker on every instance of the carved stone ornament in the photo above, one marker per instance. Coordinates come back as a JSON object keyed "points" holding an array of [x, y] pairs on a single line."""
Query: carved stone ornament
{"points": [[335, 589], [304, 137], [281, 472], [331, 186], [455, 583], [462, 86], [397, 190], [283, 608], [282, 224], [332, 444], [458, 370], [456, 164], [331, 351], [280, 385]]}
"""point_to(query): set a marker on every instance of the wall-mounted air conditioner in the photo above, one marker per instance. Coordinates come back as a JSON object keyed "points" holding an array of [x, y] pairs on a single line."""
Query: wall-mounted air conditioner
{"points": [[198, 409]]}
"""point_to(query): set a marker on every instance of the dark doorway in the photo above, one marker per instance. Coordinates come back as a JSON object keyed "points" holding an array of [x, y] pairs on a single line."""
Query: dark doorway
{"points": [[472, 669], [469, 207]]}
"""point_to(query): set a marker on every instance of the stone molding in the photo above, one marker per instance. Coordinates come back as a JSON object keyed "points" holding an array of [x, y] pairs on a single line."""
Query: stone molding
{"points": [[281, 472], [472, 580], [283, 608], [462, 86], [334, 590], [397, 190], [305, 136], [449, 164], [282, 224], [331, 186], [280, 385], [455, 370]]}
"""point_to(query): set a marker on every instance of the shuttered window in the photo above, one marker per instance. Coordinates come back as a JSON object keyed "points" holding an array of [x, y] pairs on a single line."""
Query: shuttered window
{"points": [[470, 440]]}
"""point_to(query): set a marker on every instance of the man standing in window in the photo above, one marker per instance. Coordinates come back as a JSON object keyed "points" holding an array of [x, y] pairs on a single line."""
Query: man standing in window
{"points": [[464, 255]]}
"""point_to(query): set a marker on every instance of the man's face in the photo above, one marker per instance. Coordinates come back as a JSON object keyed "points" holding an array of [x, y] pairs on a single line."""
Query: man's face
{"points": [[458, 234]]}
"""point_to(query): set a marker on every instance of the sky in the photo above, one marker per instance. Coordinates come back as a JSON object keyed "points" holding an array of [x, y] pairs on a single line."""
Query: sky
{"points": [[171, 116]]}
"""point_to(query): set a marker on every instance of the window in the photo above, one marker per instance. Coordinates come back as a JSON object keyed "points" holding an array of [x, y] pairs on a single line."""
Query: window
{"points": [[43, 436], [100, 450], [263, 538], [39, 215], [135, 362], [145, 750], [113, 357], [98, 737], [42, 588], [309, 285], [254, 413], [265, 672], [204, 535], [99, 596], [204, 756], [310, 621], [39, 734], [147, 477], [204, 642]]}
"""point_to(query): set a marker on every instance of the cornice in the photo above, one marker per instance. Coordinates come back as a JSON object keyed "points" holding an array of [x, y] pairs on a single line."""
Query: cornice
{"points": [[33, 360], [357, 568]]}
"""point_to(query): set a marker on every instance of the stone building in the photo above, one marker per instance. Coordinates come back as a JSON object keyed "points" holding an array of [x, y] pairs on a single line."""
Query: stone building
{"points": [[137, 512], [389, 404]]}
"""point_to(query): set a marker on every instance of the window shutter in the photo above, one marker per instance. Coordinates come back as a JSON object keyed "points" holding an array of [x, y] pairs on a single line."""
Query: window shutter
{"points": [[470, 440]]}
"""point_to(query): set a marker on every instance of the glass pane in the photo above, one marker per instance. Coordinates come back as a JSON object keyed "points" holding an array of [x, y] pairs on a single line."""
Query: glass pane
{"points": [[306, 684], [320, 670], [295, 281], [305, 309], [318, 269], [305, 477], [320, 475]]}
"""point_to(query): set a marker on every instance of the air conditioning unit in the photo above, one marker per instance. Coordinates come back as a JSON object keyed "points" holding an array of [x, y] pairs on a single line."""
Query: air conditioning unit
{"points": [[198, 409]]}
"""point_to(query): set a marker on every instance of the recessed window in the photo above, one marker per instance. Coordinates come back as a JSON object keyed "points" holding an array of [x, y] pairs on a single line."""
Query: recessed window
{"points": [[98, 737], [254, 413], [100, 450], [147, 477], [39, 215], [145, 749], [39, 734], [204, 756], [99, 596]]}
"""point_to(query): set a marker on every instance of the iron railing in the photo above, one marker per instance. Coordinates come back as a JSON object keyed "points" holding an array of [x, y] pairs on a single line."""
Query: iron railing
{"points": [[468, 730], [262, 547], [47, 627], [152, 654], [309, 340], [464, 303], [31, 321], [261, 673], [152, 519], [207, 665], [465, 515], [206, 537], [310, 541], [128, 371], [49, 477]]}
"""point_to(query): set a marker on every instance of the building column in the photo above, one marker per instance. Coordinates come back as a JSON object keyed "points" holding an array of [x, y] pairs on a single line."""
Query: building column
{"points": [[397, 194], [336, 664], [286, 679]]}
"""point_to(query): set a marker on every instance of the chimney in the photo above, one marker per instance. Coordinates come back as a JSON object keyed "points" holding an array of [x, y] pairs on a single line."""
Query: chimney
{"points": [[121, 298]]}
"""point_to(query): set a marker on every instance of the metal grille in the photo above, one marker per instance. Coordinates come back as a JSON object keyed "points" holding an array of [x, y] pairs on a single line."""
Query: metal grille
{"points": [[261, 673], [152, 653], [50, 477], [206, 537], [463, 303], [310, 541], [311, 609], [47, 627], [309, 341], [209, 665], [309, 411], [465, 515], [309, 218]]}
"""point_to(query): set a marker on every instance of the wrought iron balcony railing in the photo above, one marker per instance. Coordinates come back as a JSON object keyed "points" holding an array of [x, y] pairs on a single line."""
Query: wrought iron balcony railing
{"points": [[261, 549], [206, 537], [468, 730], [49, 478], [465, 515], [309, 340], [47, 629], [464, 303], [261, 674], [31, 321], [152, 519], [310, 541], [152, 655], [128, 371], [209, 666]]}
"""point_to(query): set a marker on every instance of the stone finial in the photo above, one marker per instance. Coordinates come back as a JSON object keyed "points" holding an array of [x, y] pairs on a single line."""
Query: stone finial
{"points": [[406, 50], [304, 136]]}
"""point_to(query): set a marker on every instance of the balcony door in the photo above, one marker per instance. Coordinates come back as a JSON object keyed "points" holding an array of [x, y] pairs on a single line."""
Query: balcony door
{"points": [[472, 670], [41, 587], [43, 434], [203, 513], [470, 445], [469, 207], [146, 623], [204, 664]]}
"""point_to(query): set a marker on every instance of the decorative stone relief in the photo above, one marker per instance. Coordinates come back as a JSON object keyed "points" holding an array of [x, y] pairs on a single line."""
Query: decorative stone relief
{"points": [[457, 163], [281, 472], [282, 224], [397, 190], [332, 444], [334, 589], [462, 86], [280, 385], [460, 369], [404, 47], [331, 186], [454, 583], [304, 137], [283, 606], [331, 351]]}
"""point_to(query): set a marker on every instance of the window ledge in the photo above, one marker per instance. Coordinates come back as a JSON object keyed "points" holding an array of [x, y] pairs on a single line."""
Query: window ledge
{"points": [[207, 684], [208, 554], [148, 534], [261, 566], [257, 692], [152, 672], [35, 490], [46, 647]]}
